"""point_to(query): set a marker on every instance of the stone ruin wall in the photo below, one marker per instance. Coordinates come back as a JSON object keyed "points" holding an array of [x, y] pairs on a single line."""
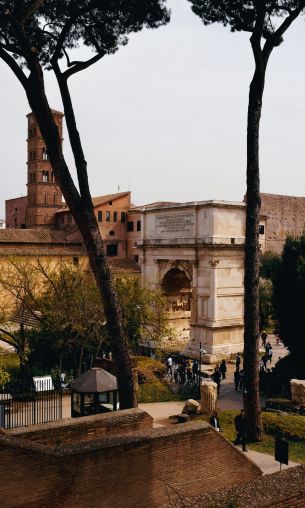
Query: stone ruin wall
{"points": [[149, 467], [284, 215]]}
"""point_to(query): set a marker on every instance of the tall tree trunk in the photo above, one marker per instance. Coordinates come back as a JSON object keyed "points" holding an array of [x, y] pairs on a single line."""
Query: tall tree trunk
{"points": [[252, 260], [83, 213]]}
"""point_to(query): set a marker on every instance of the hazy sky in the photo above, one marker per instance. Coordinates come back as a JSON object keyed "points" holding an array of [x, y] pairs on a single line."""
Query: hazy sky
{"points": [[165, 117]]}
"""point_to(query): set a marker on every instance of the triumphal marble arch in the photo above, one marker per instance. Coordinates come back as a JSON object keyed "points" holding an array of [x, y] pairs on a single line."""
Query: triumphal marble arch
{"points": [[195, 253]]}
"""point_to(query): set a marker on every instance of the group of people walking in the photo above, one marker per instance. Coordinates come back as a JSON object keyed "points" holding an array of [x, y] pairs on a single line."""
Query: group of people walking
{"points": [[183, 371]]}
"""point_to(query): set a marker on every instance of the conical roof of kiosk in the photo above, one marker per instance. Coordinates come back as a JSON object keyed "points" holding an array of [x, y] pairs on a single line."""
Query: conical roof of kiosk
{"points": [[95, 380]]}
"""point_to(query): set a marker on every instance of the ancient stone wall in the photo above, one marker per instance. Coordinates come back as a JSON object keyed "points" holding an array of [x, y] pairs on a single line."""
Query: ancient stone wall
{"points": [[284, 215], [150, 467], [68, 431]]}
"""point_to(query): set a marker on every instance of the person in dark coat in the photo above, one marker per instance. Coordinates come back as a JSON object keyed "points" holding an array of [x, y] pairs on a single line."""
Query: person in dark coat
{"points": [[238, 360], [195, 370], [214, 421], [236, 379], [264, 336], [223, 369], [241, 429], [216, 376]]}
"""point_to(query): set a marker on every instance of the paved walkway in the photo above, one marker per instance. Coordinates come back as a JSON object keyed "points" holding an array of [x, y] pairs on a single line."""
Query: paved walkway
{"points": [[228, 399], [267, 463]]}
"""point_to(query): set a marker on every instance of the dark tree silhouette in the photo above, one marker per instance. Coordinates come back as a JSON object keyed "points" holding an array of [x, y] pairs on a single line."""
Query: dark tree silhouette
{"points": [[289, 290], [39, 35], [267, 21]]}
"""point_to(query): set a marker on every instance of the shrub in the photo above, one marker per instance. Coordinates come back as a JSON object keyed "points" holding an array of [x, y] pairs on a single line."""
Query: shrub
{"points": [[290, 427]]}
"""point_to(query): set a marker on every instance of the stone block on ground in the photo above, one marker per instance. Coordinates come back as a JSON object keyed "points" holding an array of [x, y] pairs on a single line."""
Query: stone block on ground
{"points": [[298, 390], [208, 396], [183, 418], [190, 407], [180, 418]]}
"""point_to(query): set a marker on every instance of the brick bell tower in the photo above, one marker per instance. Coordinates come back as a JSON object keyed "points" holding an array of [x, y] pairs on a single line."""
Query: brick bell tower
{"points": [[44, 196]]}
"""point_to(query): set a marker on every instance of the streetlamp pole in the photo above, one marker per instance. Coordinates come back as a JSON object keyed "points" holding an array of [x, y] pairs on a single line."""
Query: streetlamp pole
{"points": [[199, 373]]}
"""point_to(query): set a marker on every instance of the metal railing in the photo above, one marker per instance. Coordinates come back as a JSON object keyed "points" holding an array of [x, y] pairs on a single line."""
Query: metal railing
{"points": [[32, 404]]}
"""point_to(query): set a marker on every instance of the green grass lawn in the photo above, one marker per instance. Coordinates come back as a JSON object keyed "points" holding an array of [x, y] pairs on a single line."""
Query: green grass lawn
{"points": [[291, 427], [9, 360]]}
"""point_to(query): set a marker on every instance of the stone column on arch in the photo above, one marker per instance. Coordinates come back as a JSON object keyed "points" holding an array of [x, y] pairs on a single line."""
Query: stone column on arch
{"points": [[213, 290], [194, 306]]}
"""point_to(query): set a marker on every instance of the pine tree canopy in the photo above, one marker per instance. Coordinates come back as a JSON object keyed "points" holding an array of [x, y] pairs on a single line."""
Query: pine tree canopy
{"points": [[51, 28], [241, 15]]}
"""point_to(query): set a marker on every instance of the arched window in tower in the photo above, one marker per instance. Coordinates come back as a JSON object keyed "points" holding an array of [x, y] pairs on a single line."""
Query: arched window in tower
{"points": [[45, 176], [52, 176], [45, 154]]}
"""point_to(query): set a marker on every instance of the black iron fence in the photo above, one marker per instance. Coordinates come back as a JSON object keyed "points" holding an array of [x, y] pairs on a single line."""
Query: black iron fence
{"points": [[31, 404]]}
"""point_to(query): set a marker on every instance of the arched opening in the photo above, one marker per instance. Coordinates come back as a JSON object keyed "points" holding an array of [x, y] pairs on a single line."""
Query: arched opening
{"points": [[176, 286], [45, 156], [45, 176]]}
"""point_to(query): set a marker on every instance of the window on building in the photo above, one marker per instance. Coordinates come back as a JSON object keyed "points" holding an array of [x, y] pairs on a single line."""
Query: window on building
{"points": [[115, 216], [75, 261], [45, 154], [129, 226], [32, 131], [110, 203], [261, 229], [123, 216], [112, 250], [45, 176], [100, 216], [136, 258], [138, 225], [111, 233], [52, 176], [107, 216]]}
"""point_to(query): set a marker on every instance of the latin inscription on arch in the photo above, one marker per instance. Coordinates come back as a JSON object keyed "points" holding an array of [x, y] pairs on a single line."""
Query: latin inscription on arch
{"points": [[182, 223]]}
